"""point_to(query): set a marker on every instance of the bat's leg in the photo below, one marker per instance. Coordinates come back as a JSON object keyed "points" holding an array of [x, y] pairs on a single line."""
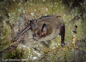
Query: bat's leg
{"points": [[22, 32], [62, 31]]}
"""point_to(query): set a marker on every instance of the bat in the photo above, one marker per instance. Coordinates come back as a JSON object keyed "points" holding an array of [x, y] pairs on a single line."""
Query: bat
{"points": [[45, 29]]}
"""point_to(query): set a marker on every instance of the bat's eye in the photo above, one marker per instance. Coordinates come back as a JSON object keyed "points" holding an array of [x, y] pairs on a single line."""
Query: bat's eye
{"points": [[38, 33]]}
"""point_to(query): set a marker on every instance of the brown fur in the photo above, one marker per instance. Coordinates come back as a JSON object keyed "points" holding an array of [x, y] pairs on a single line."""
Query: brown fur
{"points": [[53, 24]]}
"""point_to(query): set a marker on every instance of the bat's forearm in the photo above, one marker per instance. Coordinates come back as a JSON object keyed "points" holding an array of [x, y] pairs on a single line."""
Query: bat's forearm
{"points": [[62, 30], [22, 32]]}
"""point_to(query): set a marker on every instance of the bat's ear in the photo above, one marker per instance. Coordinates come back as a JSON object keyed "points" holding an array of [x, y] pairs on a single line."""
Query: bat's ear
{"points": [[44, 28], [32, 25]]}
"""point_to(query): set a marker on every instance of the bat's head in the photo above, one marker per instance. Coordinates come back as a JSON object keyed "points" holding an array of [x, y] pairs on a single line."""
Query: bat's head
{"points": [[39, 30]]}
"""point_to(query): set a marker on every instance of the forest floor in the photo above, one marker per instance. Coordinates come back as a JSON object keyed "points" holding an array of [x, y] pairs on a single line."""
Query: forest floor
{"points": [[15, 16]]}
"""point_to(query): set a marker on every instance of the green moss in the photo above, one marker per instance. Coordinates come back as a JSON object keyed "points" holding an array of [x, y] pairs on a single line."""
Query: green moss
{"points": [[40, 8], [16, 54]]}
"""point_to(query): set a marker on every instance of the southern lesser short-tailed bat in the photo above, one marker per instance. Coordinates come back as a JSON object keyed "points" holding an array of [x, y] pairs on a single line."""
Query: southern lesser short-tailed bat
{"points": [[45, 28]]}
